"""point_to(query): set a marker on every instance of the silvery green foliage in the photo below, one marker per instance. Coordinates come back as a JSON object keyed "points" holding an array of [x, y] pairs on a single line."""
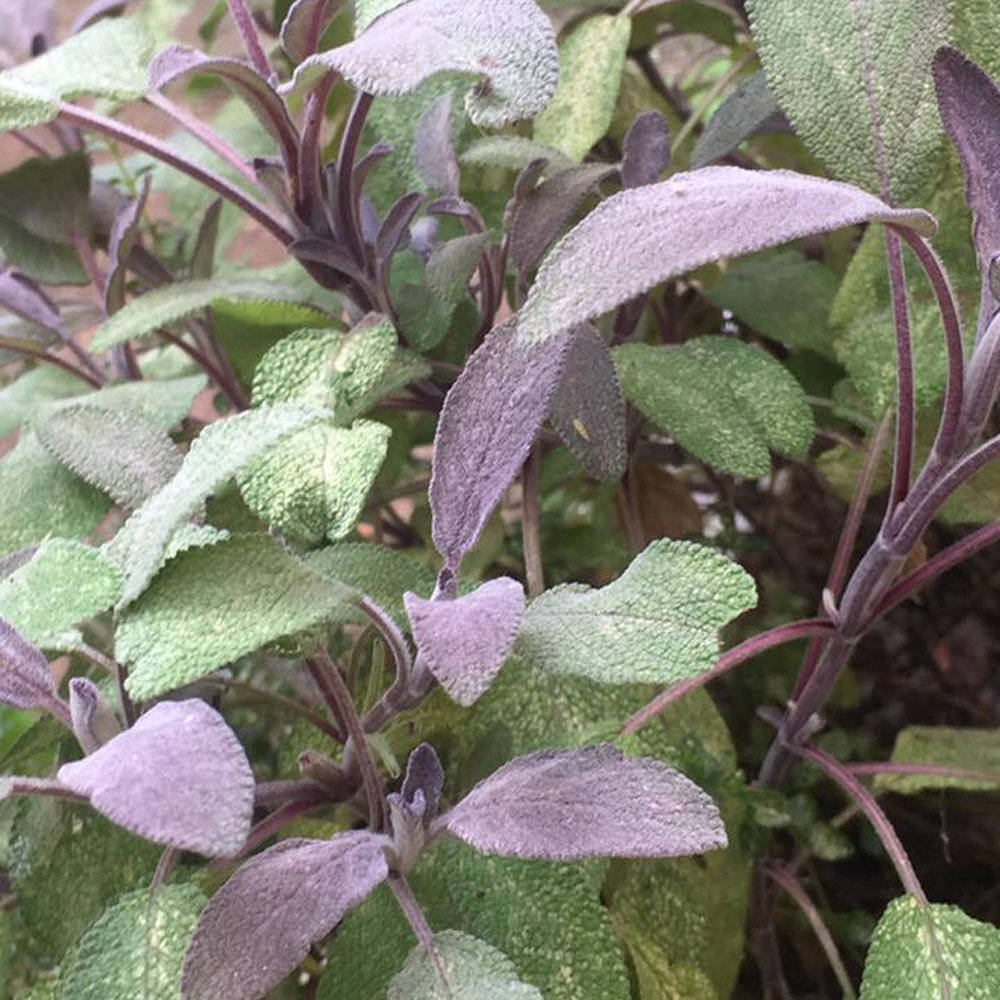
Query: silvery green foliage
{"points": [[681, 223], [433, 149], [569, 804], [177, 777], [510, 44], [465, 640], [25, 678], [747, 111], [276, 905], [94, 721]]}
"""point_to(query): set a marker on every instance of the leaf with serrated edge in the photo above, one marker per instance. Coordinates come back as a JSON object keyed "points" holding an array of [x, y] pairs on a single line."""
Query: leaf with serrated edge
{"points": [[466, 640], [746, 111], [594, 802], [726, 402], [965, 749], [473, 970], [25, 678], [657, 622], [178, 777], [681, 223], [276, 906], [510, 43]]}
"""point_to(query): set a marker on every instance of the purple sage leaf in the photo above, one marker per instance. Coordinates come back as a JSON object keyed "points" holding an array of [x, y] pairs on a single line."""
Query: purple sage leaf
{"points": [[262, 922], [94, 12], [25, 678], [304, 25], [488, 423], [645, 150], [588, 408], [424, 774], [569, 804], [24, 297], [178, 777], [682, 223], [94, 721], [434, 150], [124, 235], [465, 641]]}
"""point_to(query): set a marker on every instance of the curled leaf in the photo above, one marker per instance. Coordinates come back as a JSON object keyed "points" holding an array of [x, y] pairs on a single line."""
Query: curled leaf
{"points": [[94, 721]]}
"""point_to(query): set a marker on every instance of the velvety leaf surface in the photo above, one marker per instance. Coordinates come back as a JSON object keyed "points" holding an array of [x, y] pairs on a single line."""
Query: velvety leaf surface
{"points": [[726, 402], [177, 777], [94, 721], [487, 425], [210, 606], [466, 640], [33, 390], [680, 224], [570, 804], [742, 114], [25, 678], [645, 150], [512, 45], [123, 456], [64, 583], [473, 970], [305, 20], [591, 59], [216, 455], [855, 81], [277, 904], [930, 953], [511, 152], [424, 774], [136, 948], [434, 150], [967, 749], [588, 408], [174, 302]]}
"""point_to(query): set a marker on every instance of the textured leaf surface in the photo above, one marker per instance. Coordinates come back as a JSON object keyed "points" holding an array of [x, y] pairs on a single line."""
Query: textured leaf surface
{"points": [[931, 952], [488, 423], [63, 584], [177, 777], [725, 401], [854, 78], [588, 408], [121, 241], [25, 678], [466, 640], [276, 905], [966, 749], [123, 456], [94, 721], [568, 804], [645, 150], [511, 44], [657, 622], [217, 454], [174, 302], [511, 152], [473, 970], [303, 23], [136, 948], [210, 606], [681, 223], [591, 60], [745, 111], [434, 150]]}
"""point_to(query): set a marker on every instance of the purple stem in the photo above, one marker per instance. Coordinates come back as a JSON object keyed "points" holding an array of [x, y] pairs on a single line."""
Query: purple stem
{"points": [[232, 390], [347, 216], [417, 920], [53, 359], [905, 398], [316, 27], [33, 145], [923, 770], [274, 823], [310, 172], [534, 570], [251, 40], [270, 794], [41, 786]]}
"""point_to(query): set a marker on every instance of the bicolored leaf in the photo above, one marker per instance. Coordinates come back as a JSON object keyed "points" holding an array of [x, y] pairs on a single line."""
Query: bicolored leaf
{"points": [[121, 241], [645, 150], [94, 721], [511, 44], [25, 678], [488, 423], [304, 25], [681, 223], [178, 777], [972, 756], [276, 905], [424, 774], [725, 401], [591, 60], [465, 641], [657, 622], [472, 970], [588, 408], [570, 804], [933, 952]]}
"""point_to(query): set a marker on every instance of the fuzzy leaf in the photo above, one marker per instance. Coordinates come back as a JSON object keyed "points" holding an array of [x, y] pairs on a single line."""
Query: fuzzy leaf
{"points": [[564, 805], [591, 60], [725, 401], [488, 423], [125, 457], [657, 622], [217, 454], [681, 223], [424, 774], [178, 777], [304, 24], [94, 721], [466, 640], [136, 948], [210, 606], [434, 150], [276, 905], [473, 970], [588, 408], [511, 45], [934, 952], [121, 241], [746, 112], [313, 485], [855, 81], [174, 302], [25, 678], [975, 750], [511, 152], [65, 583], [645, 150]]}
